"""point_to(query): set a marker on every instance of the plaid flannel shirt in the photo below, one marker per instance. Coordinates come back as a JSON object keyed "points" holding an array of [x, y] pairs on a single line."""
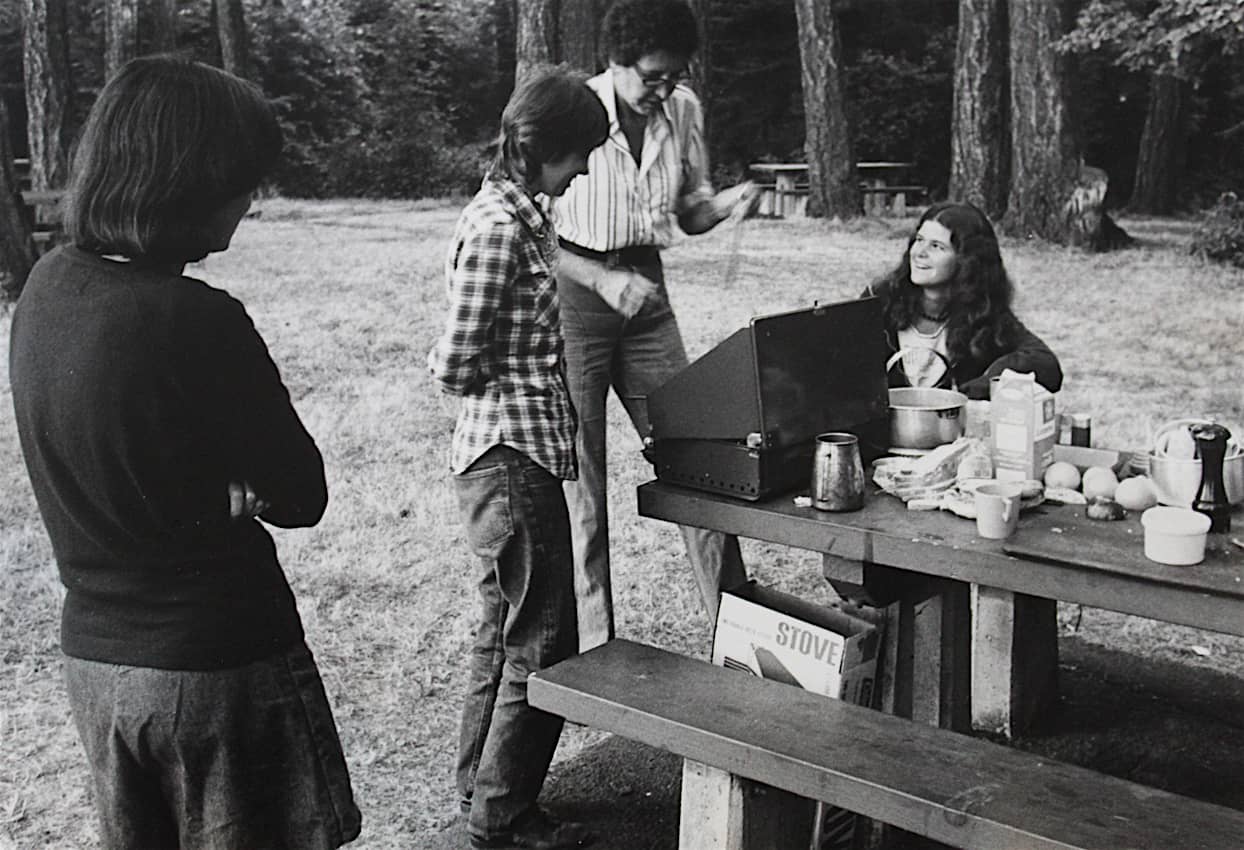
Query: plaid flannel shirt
{"points": [[501, 352]]}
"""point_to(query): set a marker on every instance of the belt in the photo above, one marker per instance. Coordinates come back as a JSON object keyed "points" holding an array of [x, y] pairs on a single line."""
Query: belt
{"points": [[632, 255]]}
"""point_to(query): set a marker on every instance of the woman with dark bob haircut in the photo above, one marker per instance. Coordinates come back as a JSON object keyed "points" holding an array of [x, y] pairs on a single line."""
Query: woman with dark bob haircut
{"points": [[950, 294], [157, 433], [169, 143]]}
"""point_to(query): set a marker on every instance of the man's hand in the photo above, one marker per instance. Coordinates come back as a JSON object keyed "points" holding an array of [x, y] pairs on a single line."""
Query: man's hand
{"points": [[627, 292], [737, 202], [244, 502]]}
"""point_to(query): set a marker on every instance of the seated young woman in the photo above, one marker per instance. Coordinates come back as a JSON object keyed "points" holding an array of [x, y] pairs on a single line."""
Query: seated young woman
{"points": [[950, 295]]}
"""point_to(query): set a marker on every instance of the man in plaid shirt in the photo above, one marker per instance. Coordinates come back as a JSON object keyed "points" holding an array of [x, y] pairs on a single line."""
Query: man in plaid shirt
{"points": [[513, 446]]}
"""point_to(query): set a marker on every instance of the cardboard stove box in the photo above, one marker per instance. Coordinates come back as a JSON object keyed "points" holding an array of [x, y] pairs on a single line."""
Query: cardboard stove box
{"points": [[1024, 428], [787, 639]]}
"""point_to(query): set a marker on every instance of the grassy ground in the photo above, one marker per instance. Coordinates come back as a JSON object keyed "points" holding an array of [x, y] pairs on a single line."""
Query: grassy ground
{"points": [[349, 296]]}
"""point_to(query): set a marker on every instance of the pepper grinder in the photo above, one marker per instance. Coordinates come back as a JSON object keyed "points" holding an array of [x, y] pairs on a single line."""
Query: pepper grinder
{"points": [[1211, 498]]}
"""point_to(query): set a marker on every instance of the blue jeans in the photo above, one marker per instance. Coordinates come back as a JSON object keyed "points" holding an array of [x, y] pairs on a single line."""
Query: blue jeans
{"points": [[633, 356], [213, 760], [516, 523]]}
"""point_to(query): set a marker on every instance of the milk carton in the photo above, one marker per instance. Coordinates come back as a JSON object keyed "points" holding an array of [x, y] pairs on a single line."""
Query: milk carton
{"points": [[1023, 426]]}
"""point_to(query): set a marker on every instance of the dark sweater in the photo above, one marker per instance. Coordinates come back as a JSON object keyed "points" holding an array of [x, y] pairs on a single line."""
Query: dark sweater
{"points": [[1026, 353], [139, 396]]}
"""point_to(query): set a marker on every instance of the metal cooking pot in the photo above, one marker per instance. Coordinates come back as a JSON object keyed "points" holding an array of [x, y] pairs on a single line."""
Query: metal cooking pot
{"points": [[1177, 481], [925, 417]]}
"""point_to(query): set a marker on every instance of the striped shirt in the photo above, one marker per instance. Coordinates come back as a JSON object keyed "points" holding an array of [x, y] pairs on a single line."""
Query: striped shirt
{"points": [[501, 352], [618, 204]]}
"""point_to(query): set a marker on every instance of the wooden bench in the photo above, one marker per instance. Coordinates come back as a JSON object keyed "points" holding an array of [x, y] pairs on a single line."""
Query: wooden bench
{"points": [[44, 216], [879, 199], [963, 791]]}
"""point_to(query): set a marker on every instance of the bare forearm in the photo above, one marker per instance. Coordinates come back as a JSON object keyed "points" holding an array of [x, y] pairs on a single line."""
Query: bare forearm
{"points": [[702, 217], [710, 212]]}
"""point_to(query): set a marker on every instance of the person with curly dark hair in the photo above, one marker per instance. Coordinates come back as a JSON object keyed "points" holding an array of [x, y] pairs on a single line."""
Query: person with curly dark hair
{"points": [[646, 187], [950, 294]]}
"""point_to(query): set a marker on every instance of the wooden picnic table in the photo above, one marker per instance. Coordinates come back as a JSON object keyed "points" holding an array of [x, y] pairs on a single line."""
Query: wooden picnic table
{"points": [[757, 751], [931, 563], [881, 183], [788, 197], [954, 601]]}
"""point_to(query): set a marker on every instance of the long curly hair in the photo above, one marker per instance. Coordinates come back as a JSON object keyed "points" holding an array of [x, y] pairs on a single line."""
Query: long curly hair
{"points": [[980, 322]]}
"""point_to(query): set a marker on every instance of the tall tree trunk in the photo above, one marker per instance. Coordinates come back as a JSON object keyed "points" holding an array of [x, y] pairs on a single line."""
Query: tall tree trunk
{"points": [[120, 34], [46, 68], [231, 33], [833, 190], [578, 30], [16, 250], [1160, 160], [980, 132], [1045, 159], [702, 63], [164, 26], [536, 35], [505, 25]]}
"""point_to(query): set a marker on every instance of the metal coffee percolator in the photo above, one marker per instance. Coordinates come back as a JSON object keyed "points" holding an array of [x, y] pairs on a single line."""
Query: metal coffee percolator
{"points": [[837, 473]]}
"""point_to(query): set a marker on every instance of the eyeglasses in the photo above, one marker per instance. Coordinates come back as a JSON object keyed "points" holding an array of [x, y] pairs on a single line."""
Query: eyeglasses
{"points": [[654, 81]]}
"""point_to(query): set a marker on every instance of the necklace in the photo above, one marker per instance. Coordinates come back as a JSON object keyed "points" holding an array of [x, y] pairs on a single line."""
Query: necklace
{"points": [[933, 334], [940, 319]]}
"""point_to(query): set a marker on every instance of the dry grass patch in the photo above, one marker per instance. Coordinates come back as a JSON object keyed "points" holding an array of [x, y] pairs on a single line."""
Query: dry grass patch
{"points": [[350, 296]]}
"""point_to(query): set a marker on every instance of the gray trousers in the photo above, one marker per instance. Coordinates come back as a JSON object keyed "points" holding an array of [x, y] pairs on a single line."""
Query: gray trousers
{"points": [[633, 357]]}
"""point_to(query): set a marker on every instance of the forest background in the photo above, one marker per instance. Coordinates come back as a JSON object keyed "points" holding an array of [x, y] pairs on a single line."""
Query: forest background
{"points": [[400, 98]]}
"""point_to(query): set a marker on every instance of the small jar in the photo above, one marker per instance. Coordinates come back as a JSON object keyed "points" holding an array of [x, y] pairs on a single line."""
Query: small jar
{"points": [[1063, 422], [1081, 429]]}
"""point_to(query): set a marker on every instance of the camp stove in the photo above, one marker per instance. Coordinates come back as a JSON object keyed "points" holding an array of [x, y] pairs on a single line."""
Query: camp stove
{"points": [[742, 419]]}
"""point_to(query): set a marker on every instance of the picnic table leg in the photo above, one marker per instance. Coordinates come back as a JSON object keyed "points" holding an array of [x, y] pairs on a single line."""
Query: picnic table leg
{"points": [[767, 205], [874, 202], [925, 667], [1014, 660], [721, 811], [785, 187]]}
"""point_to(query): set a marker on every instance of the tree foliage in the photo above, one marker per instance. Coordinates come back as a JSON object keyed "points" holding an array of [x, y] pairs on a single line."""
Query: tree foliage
{"points": [[1178, 49], [1169, 36], [1220, 234], [400, 97]]}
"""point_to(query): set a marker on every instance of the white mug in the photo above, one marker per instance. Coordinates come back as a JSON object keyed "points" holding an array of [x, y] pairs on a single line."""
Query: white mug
{"points": [[997, 509]]}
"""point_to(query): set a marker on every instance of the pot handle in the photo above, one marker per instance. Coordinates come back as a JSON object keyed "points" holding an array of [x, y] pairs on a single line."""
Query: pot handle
{"points": [[896, 356]]}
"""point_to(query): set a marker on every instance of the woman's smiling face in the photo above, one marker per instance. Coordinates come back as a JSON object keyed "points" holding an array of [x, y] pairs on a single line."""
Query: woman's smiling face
{"points": [[933, 256]]}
